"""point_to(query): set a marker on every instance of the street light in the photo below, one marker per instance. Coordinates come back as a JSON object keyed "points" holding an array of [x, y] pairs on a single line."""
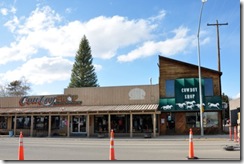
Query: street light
{"points": [[199, 70]]}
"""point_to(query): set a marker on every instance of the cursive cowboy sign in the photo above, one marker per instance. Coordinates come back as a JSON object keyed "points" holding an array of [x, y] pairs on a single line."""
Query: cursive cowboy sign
{"points": [[50, 100]]}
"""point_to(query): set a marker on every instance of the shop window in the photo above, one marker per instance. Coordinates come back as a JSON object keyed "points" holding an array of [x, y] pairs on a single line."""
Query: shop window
{"points": [[101, 123], [210, 119], [170, 88], [142, 123], [23, 122], [193, 120], [208, 86], [41, 123], [120, 123], [137, 123], [3, 122], [58, 122]]}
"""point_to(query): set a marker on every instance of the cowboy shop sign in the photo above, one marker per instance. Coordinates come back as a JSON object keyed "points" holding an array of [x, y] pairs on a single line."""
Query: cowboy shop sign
{"points": [[49, 100], [187, 97]]}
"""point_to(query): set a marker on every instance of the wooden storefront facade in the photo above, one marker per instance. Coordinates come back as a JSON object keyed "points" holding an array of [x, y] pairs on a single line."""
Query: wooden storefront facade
{"points": [[129, 110], [179, 98]]}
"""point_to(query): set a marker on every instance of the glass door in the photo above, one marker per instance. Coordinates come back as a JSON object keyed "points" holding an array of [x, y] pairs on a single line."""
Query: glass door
{"points": [[79, 124]]}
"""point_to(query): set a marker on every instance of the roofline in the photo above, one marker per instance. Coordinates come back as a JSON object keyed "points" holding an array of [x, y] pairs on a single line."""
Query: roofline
{"points": [[192, 65]]}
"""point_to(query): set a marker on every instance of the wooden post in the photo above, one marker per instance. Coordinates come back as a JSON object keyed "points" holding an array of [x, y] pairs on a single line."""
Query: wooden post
{"points": [[49, 125], [32, 126], [68, 122], [131, 125]]}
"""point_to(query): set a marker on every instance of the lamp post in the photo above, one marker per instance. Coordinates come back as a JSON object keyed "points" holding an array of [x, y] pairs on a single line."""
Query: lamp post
{"points": [[199, 70]]}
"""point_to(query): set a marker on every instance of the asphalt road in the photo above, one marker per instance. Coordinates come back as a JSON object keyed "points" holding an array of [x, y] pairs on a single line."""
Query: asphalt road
{"points": [[125, 149]]}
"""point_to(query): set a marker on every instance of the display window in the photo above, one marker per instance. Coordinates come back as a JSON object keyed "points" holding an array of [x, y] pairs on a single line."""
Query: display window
{"points": [[142, 123], [58, 122], [120, 123], [193, 119], [210, 119], [23, 122], [41, 122], [101, 123], [3, 122]]}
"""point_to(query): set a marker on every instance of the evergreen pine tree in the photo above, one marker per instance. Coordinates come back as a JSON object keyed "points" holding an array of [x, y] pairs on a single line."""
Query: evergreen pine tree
{"points": [[83, 72]]}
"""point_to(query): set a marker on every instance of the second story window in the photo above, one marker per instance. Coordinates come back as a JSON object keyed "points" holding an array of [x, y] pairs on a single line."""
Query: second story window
{"points": [[170, 88], [208, 83]]}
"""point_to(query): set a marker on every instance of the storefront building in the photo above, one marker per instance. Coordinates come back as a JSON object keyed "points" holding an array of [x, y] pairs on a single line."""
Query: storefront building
{"points": [[128, 110], [235, 116], [171, 107], [179, 98]]}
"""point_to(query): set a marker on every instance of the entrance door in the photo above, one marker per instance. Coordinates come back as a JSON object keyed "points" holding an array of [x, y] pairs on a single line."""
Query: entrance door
{"points": [[170, 123], [79, 124]]}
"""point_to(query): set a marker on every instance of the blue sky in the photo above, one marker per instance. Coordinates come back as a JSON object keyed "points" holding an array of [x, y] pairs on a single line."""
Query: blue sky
{"points": [[39, 40]]}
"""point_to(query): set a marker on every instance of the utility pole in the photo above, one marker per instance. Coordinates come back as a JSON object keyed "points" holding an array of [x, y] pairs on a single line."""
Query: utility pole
{"points": [[217, 24], [218, 46]]}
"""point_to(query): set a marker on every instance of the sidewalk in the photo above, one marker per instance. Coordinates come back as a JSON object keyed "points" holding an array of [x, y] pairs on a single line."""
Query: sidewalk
{"points": [[223, 137]]}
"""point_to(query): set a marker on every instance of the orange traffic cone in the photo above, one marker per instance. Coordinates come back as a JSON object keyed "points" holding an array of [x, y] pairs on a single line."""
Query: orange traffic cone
{"points": [[111, 152], [21, 147], [191, 146]]}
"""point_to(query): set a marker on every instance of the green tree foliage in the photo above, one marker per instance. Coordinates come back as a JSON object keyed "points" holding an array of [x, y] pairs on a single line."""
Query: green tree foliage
{"points": [[18, 88], [225, 99], [83, 72]]}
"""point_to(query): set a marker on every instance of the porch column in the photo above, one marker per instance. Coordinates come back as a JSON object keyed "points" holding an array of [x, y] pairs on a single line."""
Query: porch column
{"points": [[32, 126], [88, 125], [109, 124], [68, 122], [49, 125], [15, 124], [131, 125], [154, 124]]}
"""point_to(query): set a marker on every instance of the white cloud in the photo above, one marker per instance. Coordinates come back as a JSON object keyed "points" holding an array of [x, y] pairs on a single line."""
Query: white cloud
{"points": [[41, 70], [108, 34], [44, 29], [159, 17], [16, 52], [40, 19], [12, 24], [13, 10], [4, 11], [171, 46]]}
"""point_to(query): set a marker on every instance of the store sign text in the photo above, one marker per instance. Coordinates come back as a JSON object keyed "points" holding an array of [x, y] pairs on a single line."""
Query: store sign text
{"points": [[50, 101], [189, 92]]}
